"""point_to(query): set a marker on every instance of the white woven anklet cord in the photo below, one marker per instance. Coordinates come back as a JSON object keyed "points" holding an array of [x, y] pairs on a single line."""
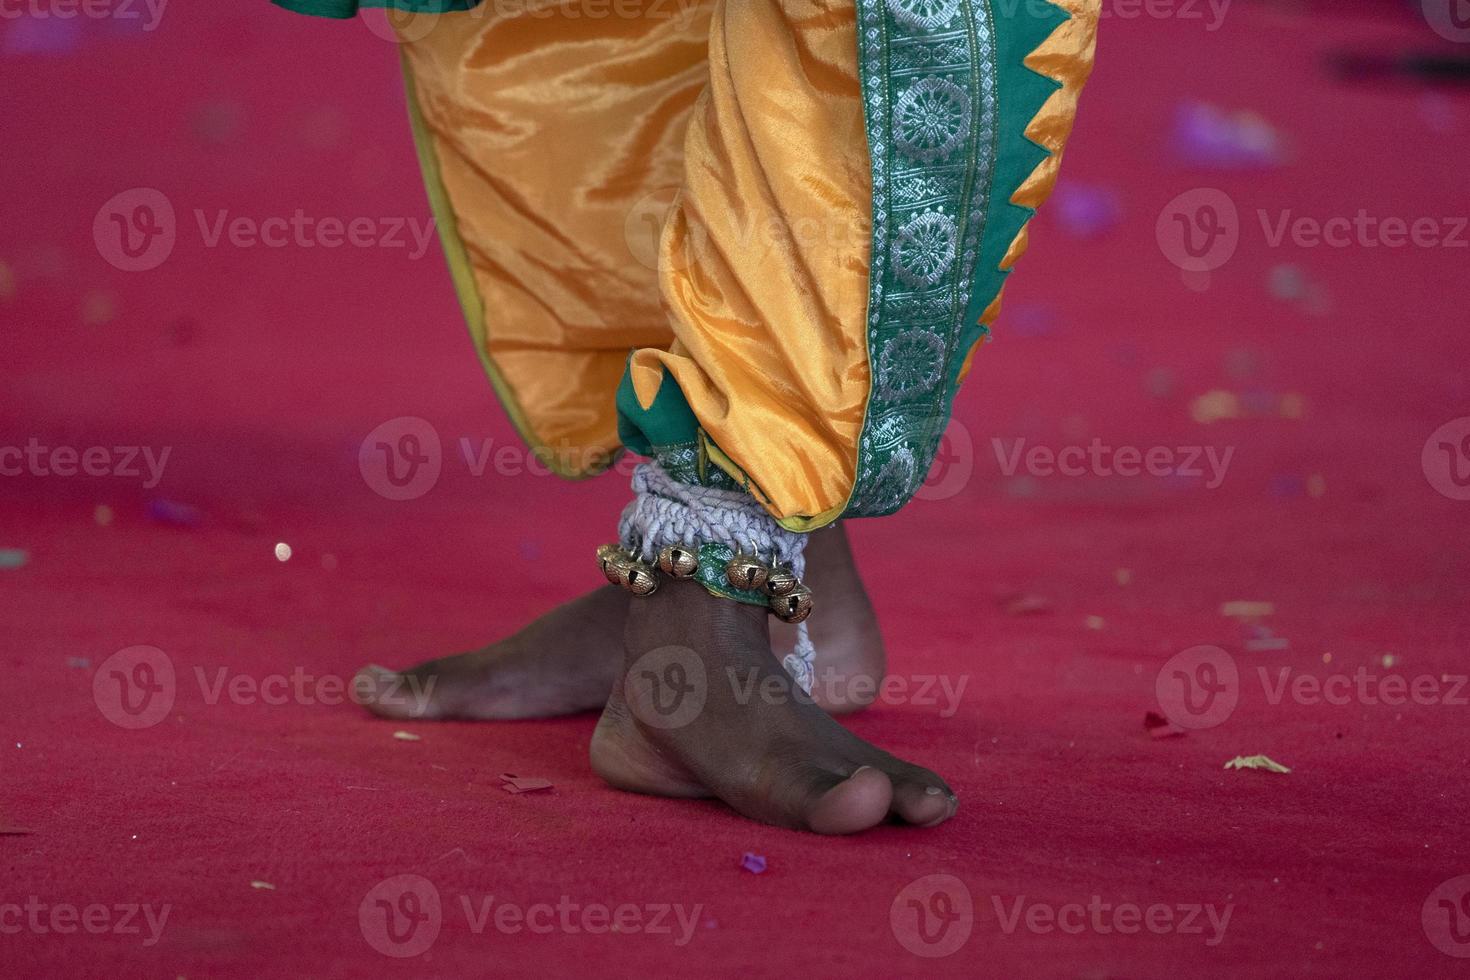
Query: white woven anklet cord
{"points": [[665, 511]]}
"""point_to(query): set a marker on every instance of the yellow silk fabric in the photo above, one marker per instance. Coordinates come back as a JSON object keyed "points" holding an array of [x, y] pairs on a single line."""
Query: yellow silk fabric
{"points": [[566, 147], [765, 258], [559, 143], [688, 180]]}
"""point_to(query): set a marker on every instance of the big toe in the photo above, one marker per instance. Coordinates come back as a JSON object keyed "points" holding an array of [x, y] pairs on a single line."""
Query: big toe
{"points": [[854, 804]]}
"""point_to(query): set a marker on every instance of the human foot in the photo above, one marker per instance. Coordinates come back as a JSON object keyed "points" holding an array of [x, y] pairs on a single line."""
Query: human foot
{"points": [[562, 663], [703, 708], [568, 660]]}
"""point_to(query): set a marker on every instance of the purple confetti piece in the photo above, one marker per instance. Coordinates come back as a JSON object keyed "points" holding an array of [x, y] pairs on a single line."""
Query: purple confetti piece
{"points": [[1209, 137], [43, 35], [173, 513], [1086, 211], [754, 863]]}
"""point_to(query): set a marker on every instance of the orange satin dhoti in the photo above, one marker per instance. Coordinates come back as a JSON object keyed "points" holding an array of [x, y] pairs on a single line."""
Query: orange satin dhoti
{"points": [[758, 239]]}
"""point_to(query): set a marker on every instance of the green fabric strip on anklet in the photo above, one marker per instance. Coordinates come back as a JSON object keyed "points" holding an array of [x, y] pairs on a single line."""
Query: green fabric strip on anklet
{"points": [[711, 575]]}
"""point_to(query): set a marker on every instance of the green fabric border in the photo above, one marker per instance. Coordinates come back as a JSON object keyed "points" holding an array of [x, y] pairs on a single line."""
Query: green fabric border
{"points": [[1022, 94], [345, 9]]}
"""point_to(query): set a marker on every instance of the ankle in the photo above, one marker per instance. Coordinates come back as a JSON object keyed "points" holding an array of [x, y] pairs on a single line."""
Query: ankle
{"points": [[686, 608]]}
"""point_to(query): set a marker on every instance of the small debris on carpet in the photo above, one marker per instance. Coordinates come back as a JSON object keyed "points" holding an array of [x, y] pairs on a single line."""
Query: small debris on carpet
{"points": [[754, 863], [263, 884], [1027, 604], [1246, 609], [1158, 726], [1256, 762], [512, 783], [407, 737]]}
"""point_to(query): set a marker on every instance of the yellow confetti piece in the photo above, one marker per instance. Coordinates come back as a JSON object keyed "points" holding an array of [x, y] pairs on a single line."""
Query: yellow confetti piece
{"points": [[102, 515], [1316, 486], [1246, 609], [99, 307], [1213, 406], [1389, 660], [263, 884], [406, 736], [1095, 622], [1123, 576], [1256, 762]]}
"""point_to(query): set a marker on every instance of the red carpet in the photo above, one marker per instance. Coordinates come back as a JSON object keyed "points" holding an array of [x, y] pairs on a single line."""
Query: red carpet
{"points": [[263, 829]]}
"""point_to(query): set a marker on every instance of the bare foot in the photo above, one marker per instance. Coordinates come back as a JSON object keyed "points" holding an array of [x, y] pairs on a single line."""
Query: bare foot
{"points": [[705, 709], [568, 660]]}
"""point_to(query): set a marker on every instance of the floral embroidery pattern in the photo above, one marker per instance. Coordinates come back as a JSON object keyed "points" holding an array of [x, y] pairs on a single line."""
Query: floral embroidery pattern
{"points": [[924, 15], [924, 249], [932, 119], [910, 363]]}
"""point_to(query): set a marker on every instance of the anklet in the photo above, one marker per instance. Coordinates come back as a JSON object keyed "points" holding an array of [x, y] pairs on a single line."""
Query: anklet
{"points": [[722, 539]]}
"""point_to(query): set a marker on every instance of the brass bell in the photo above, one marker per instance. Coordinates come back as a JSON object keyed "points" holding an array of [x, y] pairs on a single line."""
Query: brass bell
{"points": [[640, 579], [614, 561], [678, 561], [747, 573], [780, 582], [794, 606]]}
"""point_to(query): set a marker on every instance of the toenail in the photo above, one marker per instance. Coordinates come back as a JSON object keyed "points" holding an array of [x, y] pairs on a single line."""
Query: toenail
{"points": [[932, 791]]}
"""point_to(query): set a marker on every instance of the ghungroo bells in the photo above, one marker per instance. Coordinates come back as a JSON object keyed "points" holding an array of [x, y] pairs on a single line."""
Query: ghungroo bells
{"points": [[746, 573], [786, 597], [780, 582], [640, 579], [794, 606], [614, 562], [678, 561]]}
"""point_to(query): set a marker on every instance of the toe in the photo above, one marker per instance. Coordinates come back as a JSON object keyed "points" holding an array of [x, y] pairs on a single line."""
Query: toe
{"points": [[856, 803], [921, 802]]}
